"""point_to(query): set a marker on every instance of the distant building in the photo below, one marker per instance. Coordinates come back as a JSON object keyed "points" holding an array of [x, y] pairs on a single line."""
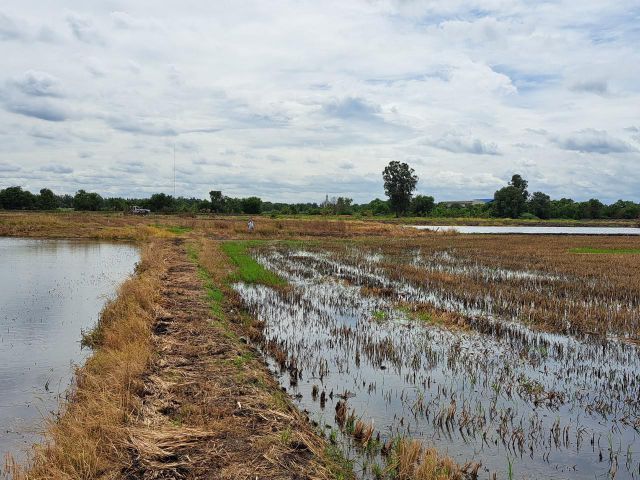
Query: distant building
{"points": [[467, 203]]}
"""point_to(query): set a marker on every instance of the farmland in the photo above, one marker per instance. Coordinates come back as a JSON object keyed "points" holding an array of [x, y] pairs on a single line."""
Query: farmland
{"points": [[353, 348], [510, 354]]}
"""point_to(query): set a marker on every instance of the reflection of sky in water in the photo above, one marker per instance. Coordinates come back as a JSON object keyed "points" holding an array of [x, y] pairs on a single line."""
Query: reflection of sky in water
{"points": [[403, 376], [50, 290]]}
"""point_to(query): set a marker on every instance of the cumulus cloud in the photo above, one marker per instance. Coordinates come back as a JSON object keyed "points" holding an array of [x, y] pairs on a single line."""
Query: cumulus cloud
{"points": [[295, 110], [141, 126], [33, 94], [594, 141], [8, 167], [600, 87], [83, 29], [132, 166], [352, 108], [54, 168], [464, 144], [39, 84], [37, 108], [124, 20]]}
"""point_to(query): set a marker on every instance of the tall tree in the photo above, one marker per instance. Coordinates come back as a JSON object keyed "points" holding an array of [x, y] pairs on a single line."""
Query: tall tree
{"points": [[87, 201], [511, 201], [399, 184], [217, 201], [14, 198], [161, 202], [251, 205], [592, 208], [421, 205], [521, 184], [540, 205], [47, 200]]}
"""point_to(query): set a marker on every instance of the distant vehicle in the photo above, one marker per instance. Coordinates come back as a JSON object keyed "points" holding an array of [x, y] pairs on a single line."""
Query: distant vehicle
{"points": [[135, 210]]}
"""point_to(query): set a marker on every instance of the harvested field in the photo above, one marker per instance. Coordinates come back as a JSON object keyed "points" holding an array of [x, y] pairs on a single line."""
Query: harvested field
{"points": [[117, 226], [517, 355]]}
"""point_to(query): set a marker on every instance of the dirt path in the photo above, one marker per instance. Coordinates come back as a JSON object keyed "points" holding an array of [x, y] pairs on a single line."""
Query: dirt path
{"points": [[210, 408]]}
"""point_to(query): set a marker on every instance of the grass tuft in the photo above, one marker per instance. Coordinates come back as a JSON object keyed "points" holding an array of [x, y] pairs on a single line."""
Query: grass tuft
{"points": [[249, 271], [615, 251]]}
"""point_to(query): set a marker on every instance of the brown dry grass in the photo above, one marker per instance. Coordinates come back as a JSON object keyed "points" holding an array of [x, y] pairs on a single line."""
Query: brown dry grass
{"points": [[412, 461], [89, 439], [78, 225], [116, 226], [599, 294]]}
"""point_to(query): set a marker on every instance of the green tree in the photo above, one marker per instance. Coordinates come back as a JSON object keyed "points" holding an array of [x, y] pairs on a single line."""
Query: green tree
{"points": [[251, 205], [540, 205], [343, 206], [521, 184], [399, 184], [511, 201], [47, 200], [422, 205], [217, 201], [65, 201], [508, 202], [623, 209], [87, 201], [379, 207], [161, 202], [592, 208], [14, 198], [563, 208]]}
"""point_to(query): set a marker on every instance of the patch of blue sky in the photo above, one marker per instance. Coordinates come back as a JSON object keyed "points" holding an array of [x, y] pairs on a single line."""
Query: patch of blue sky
{"points": [[443, 74], [526, 82], [617, 27]]}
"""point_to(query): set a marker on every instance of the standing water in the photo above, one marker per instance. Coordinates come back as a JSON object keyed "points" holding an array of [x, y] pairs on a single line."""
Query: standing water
{"points": [[50, 291], [501, 229], [513, 399]]}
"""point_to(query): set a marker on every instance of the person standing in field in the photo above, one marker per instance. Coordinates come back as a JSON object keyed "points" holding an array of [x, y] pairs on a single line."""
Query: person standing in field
{"points": [[251, 225]]}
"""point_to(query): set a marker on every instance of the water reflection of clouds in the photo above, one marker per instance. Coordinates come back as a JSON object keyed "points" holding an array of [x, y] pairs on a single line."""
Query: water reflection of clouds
{"points": [[50, 290], [514, 391]]}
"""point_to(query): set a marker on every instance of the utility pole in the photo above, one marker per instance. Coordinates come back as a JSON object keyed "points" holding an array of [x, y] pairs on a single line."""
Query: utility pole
{"points": [[174, 169]]}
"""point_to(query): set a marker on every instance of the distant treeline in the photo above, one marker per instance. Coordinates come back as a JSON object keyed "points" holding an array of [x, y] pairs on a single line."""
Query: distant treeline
{"points": [[511, 201]]}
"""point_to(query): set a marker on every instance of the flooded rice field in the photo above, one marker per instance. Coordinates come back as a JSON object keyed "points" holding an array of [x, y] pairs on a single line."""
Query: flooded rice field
{"points": [[50, 291], [532, 230], [381, 343]]}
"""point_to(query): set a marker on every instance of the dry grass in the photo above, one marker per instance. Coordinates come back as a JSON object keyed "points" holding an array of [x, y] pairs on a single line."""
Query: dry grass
{"points": [[410, 460], [78, 225], [90, 438], [116, 226], [537, 280]]}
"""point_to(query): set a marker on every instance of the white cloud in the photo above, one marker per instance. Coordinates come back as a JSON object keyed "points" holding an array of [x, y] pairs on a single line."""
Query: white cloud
{"points": [[298, 99], [39, 84], [457, 143], [594, 141]]}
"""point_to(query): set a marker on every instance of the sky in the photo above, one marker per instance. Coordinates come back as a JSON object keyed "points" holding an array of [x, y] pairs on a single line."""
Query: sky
{"points": [[293, 100]]}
